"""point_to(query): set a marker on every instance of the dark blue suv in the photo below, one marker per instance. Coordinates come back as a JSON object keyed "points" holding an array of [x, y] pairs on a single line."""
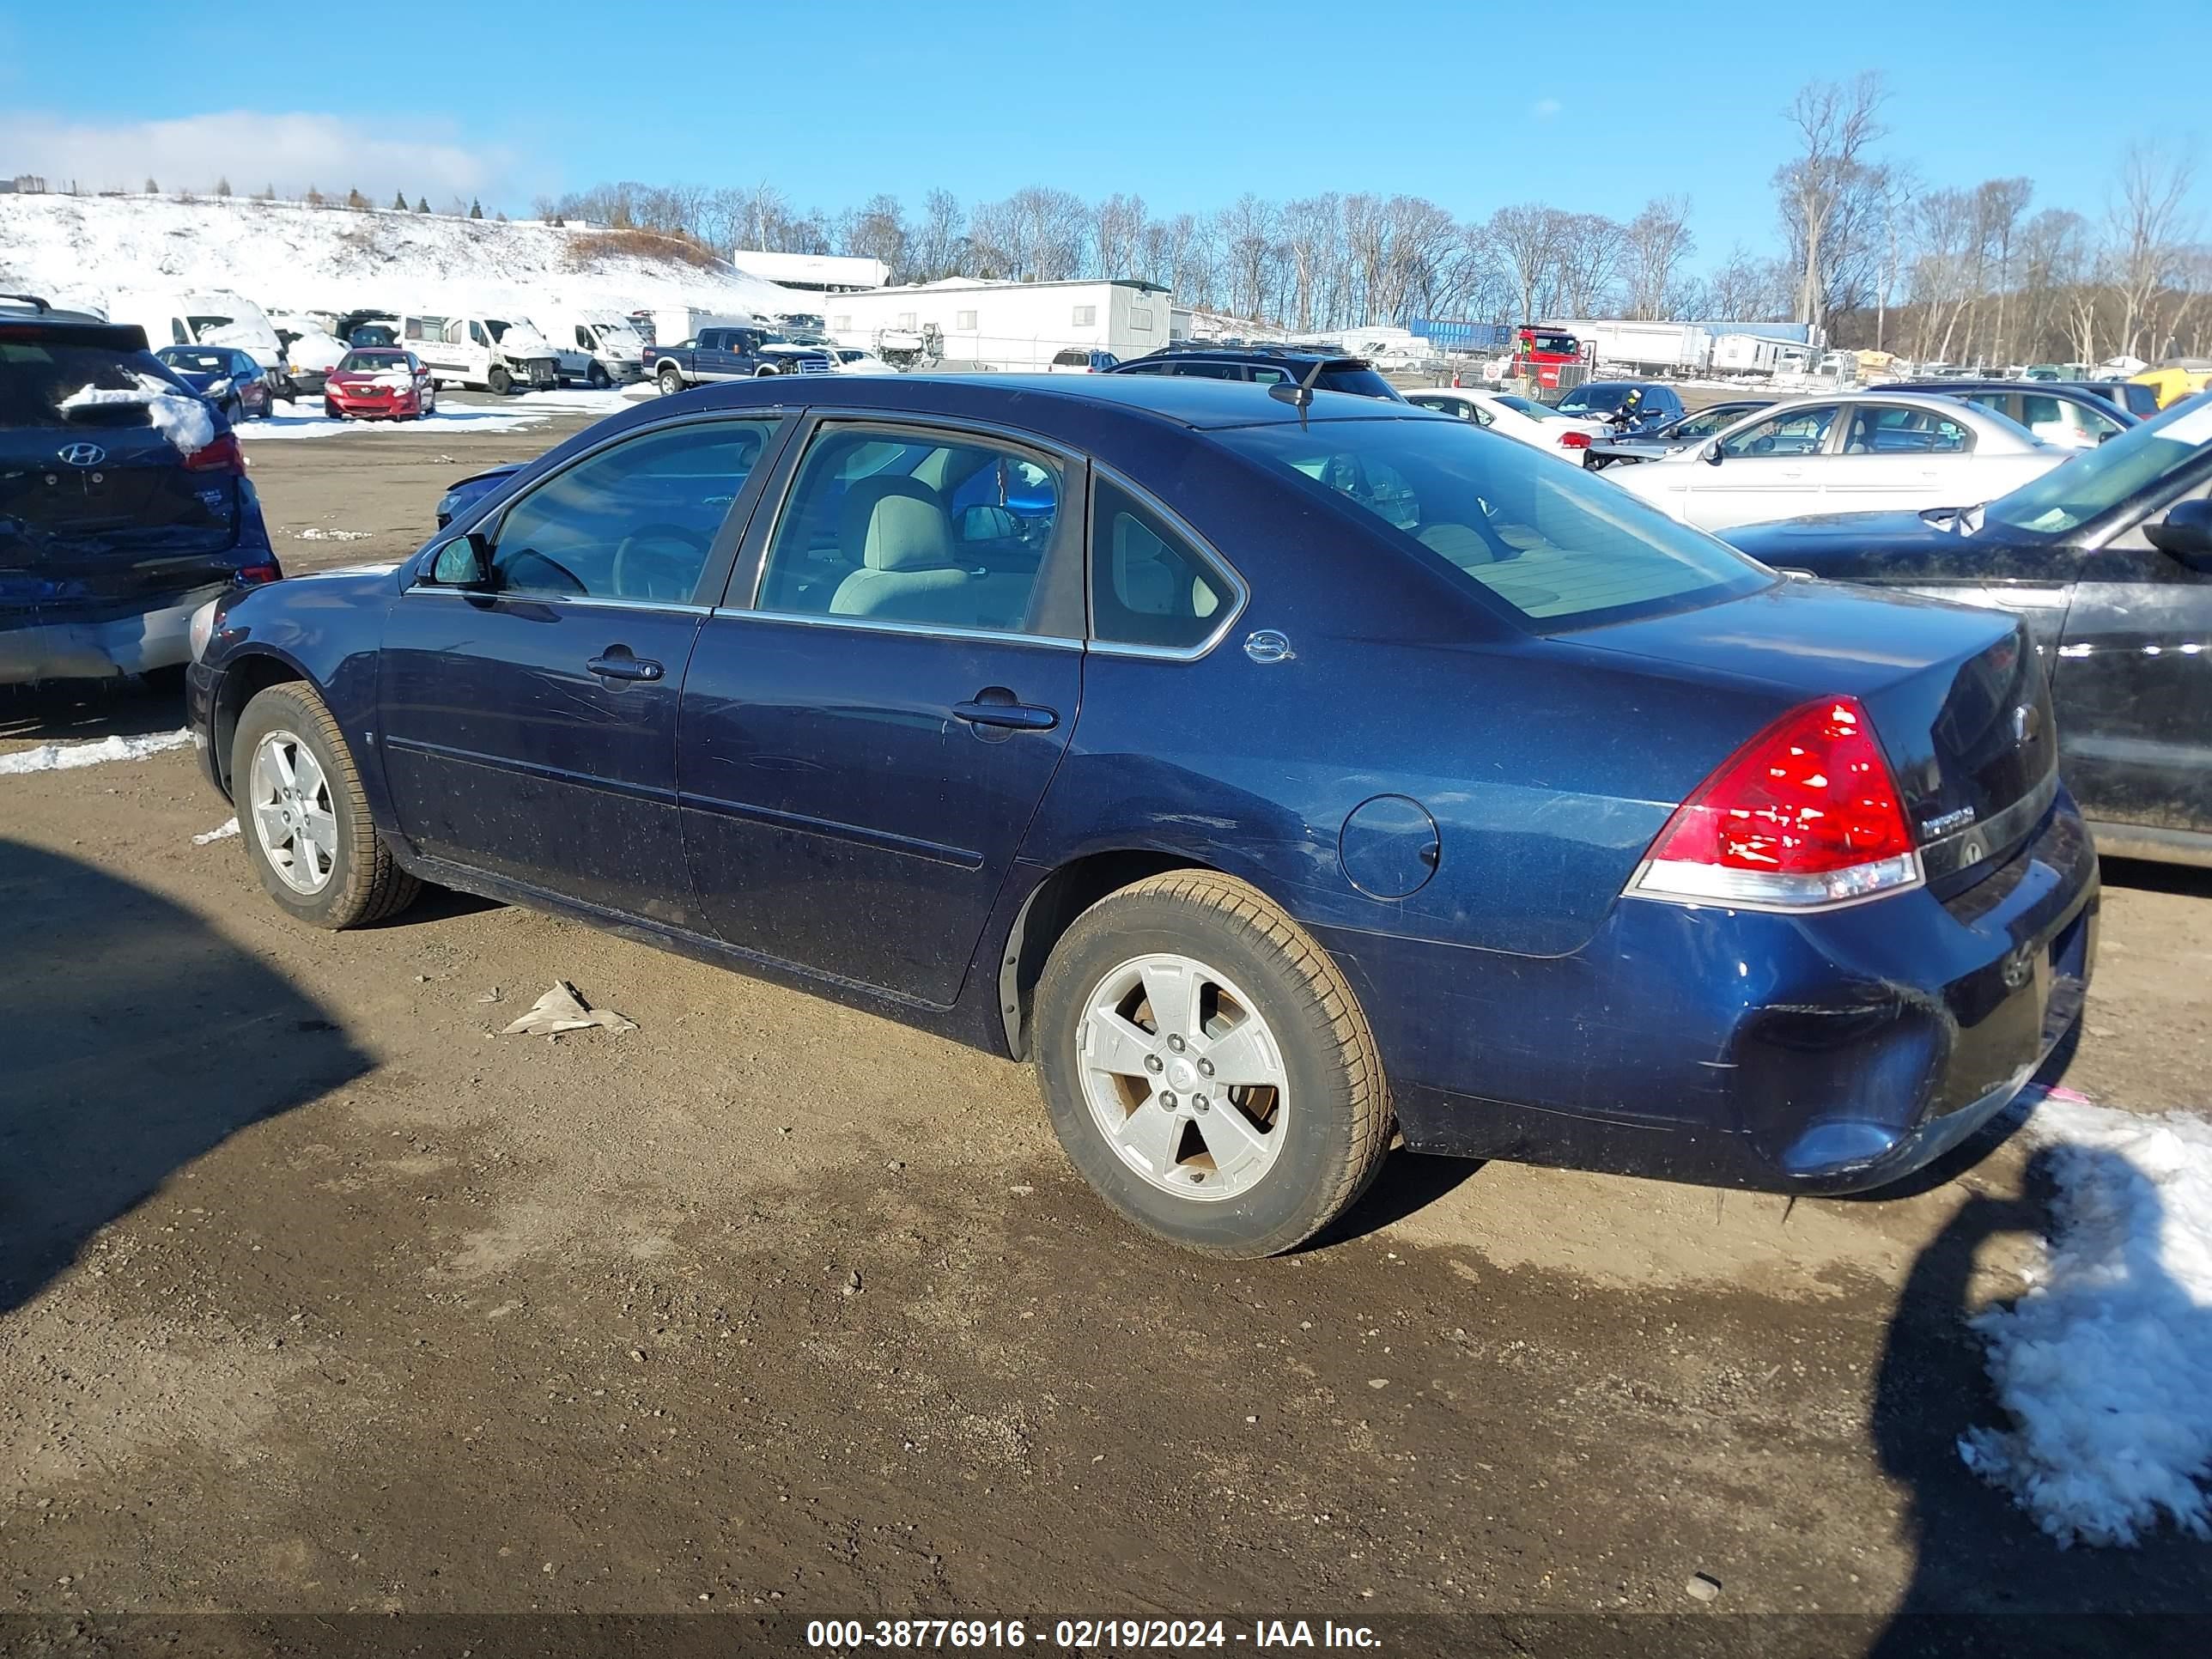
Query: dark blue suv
{"points": [[1281, 770], [125, 506]]}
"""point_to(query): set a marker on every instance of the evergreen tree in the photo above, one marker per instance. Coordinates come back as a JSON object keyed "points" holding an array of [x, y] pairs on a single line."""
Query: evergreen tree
{"points": [[475, 210], [222, 189], [422, 205], [399, 202], [153, 189]]}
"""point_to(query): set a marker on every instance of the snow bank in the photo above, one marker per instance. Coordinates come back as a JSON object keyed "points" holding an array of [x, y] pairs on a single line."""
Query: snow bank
{"points": [[2105, 1366], [67, 756], [455, 420], [290, 259], [186, 421]]}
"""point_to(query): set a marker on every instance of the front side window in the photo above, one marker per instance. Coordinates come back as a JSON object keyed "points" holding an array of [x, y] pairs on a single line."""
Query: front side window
{"points": [[1706, 423], [1557, 546], [1798, 432], [1149, 586], [632, 522], [914, 527]]}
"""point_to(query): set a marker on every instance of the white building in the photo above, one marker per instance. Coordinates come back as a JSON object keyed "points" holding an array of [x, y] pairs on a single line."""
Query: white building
{"points": [[818, 273], [1016, 326]]}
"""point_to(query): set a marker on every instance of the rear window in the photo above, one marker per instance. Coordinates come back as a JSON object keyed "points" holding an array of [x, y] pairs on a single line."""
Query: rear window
{"points": [[38, 376], [196, 363], [1556, 546]]}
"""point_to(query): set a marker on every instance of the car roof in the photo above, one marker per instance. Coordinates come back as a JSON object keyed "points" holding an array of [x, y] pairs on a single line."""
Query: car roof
{"points": [[1257, 353], [72, 328], [1050, 403]]}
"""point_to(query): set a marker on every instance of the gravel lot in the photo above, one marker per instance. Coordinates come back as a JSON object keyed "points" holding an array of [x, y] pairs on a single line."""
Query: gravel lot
{"points": [[316, 1298]]}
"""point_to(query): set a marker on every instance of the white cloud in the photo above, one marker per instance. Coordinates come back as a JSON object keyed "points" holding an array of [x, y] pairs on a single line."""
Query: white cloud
{"points": [[1544, 108], [250, 150]]}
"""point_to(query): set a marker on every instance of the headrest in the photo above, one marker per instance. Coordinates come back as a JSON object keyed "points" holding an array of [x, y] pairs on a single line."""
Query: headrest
{"points": [[856, 515], [906, 532]]}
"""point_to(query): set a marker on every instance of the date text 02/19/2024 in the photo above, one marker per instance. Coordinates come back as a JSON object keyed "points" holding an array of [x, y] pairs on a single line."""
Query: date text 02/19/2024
{"points": [[839, 1635]]}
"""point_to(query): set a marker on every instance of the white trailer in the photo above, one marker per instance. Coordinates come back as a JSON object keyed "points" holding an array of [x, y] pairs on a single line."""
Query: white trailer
{"points": [[1015, 326], [1648, 348], [1746, 354]]}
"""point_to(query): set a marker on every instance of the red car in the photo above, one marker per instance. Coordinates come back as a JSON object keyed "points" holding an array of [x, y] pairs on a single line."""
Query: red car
{"points": [[379, 382]]}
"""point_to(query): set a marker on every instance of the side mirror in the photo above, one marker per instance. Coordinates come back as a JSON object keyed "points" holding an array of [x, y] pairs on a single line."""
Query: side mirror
{"points": [[464, 561], [2186, 533], [1711, 454]]}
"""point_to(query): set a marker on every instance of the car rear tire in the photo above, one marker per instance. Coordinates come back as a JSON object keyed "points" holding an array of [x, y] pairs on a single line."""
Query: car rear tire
{"points": [[671, 381], [306, 828], [1245, 1114], [500, 381], [597, 377]]}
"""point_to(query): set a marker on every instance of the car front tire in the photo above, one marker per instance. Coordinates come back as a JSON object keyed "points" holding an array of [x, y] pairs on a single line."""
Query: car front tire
{"points": [[306, 828], [1207, 1068], [501, 382]]}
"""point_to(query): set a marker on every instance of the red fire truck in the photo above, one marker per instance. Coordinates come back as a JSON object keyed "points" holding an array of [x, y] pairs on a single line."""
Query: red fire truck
{"points": [[1539, 353]]}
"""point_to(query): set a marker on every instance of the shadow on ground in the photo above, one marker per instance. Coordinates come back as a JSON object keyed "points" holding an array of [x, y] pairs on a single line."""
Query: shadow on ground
{"points": [[87, 710], [135, 1040]]}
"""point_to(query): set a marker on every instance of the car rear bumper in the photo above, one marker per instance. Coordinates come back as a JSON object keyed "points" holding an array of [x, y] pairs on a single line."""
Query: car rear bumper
{"points": [[157, 637], [368, 408], [1823, 1053]]}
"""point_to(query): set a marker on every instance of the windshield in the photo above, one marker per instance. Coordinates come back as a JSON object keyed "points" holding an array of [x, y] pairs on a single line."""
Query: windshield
{"points": [[1530, 407], [1555, 345], [372, 362], [203, 324], [1557, 546], [495, 327], [2097, 480], [195, 363]]}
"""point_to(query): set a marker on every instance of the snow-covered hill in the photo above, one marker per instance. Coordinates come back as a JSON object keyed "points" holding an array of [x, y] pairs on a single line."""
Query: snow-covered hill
{"points": [[79, 250]]}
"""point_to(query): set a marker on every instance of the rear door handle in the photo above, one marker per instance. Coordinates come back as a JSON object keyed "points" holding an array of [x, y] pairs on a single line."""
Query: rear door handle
{"points": [[624, 667], [986, 710]]}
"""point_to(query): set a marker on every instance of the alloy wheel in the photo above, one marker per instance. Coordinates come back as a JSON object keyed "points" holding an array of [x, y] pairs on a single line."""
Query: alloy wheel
{"points": [[1183, 1077], [295, 818]]}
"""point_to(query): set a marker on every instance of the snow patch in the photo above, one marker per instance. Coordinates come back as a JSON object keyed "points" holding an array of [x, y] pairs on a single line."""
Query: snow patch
{"points": [[223, 831], [67, 756], [2104, 1365], [184, 420], [317, 425], [316, 533]]}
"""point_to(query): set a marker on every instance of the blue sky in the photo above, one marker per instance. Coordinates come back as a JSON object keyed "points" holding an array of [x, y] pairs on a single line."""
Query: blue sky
{"points": [[1188, 104]]}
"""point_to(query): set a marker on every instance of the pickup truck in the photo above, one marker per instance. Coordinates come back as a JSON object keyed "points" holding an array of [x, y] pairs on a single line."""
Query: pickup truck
{"points": [[733, 354]]}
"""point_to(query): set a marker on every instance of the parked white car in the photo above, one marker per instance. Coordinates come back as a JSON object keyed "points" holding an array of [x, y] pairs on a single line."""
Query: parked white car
{"points": [[851, 360], [1552, 432], [1856, 452]]}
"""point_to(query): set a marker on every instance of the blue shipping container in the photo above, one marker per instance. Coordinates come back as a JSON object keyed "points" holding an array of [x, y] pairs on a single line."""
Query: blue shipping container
{"points": [[1451, 334]]}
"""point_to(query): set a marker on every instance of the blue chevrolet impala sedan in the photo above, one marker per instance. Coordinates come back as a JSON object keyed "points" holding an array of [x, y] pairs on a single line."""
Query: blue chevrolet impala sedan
{"points": [[1284, 772]]}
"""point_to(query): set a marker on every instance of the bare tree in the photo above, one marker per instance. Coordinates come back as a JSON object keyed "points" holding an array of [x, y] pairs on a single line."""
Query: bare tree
{"points": [[1528, 240], [2148, 228], [1998, 206], [1590, 249], [1117, 227], [1836, 121], [1657, 242], [940, 238], [878, 232]]}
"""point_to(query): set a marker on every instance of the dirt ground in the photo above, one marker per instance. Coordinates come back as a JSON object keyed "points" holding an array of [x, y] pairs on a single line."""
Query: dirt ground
{"points": [[318, 1299]]}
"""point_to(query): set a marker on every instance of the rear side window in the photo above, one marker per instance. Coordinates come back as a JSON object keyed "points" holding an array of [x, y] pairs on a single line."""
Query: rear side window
{"points": [[634, 522], [943, 531], [1149, 586], [50, 384]]}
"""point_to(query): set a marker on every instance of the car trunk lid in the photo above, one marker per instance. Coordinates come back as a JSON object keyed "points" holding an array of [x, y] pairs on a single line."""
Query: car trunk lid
{"points": [[1959, 700]]}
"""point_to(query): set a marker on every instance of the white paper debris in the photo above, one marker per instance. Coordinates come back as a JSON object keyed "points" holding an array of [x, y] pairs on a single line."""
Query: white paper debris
{"points": [[67, 757], [223, 831], [561, 1009]]}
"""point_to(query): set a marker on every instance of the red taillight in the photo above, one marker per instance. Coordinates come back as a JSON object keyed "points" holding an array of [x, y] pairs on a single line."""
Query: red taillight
{"points": [[223, 455], [253, 575], [1806, 813], [1574, 440]]}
